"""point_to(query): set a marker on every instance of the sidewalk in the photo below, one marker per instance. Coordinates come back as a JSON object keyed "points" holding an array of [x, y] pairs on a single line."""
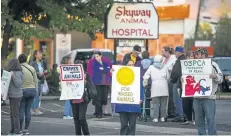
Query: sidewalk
{"points": [[219, 97]]}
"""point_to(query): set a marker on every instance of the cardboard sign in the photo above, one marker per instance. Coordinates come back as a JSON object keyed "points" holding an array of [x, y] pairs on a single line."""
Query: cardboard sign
{"points": [[196, 67], [72, 82], [125, 85], [132, 21], [5, 82], [195, 76]]}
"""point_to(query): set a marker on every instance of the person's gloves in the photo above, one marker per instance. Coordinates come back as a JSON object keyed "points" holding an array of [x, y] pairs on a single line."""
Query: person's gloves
{"points": [[145, 82]]}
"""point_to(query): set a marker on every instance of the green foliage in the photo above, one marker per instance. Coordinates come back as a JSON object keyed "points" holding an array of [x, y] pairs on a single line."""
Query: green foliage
{"points": [[205, 32], [90, 17], [223, 34]]}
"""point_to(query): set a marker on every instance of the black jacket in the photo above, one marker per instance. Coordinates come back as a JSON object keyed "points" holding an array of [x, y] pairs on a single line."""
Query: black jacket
{"points": [[127, 58], [176, 70]]}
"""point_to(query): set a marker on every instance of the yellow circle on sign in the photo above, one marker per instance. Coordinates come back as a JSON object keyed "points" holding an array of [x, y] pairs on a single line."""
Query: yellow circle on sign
{"points": [[125, 76]]}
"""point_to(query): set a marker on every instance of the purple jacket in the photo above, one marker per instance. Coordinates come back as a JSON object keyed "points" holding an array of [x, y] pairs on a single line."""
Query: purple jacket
{"points": [[100, 77]]}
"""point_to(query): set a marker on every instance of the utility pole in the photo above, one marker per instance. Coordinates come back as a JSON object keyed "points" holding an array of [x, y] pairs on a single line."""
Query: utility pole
{"points": [[198, 19]]}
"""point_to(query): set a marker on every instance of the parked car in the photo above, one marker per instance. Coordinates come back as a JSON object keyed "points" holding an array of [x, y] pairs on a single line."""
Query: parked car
{"points": [[86, 54], [225, 66]]}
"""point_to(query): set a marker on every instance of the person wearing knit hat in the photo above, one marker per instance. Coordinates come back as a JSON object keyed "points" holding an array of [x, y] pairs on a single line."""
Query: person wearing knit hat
{"points": [[201, 53], [175, 79], [159, 90]]}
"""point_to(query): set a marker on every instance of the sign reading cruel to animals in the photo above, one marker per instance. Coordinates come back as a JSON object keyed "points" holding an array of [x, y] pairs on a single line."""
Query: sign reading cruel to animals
{"points": [[72, 82], [195, 77], [125, 85]]}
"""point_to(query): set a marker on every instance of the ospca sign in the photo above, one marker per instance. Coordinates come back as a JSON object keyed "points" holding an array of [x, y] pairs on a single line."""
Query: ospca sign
{"points": [[132, 21]]}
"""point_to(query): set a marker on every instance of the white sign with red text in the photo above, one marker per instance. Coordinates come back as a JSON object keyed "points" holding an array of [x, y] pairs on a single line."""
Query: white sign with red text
{"points": [[132, 21]]}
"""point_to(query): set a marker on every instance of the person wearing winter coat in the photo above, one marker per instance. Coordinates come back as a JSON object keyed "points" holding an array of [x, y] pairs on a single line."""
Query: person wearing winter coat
{"points": [[90, 72], [159, 90], [102, 79], [15, 94], [128, 113], [176, 80]]}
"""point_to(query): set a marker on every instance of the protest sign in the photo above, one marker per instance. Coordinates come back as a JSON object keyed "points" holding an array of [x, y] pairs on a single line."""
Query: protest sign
{"points": [[5, 82], [72, 82], [195, 77], [125, 85]]}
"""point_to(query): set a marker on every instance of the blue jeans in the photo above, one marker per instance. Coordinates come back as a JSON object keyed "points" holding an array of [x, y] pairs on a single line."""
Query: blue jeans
{"points": [[177, 101], [28, 96], [36, 101], [205, 109], [67, 108]]}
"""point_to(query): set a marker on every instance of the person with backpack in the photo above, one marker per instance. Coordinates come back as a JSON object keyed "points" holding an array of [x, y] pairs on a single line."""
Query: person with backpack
{"points": [[205, 107], [30, 89]]}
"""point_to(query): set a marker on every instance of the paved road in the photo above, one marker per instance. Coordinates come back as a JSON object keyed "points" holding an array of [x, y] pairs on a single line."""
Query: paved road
{"points": [[51, 123]]}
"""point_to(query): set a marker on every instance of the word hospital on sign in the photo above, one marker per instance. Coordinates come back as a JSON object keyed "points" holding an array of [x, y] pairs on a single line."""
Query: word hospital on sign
{"points": [[132, 32]]}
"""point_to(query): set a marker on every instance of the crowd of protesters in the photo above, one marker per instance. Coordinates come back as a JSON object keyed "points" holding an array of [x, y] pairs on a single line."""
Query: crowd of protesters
{"points": [[160, 82]]}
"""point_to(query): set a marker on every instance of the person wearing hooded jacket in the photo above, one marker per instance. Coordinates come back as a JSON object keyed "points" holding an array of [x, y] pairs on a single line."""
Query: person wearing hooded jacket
{"points": [[159, 90]]}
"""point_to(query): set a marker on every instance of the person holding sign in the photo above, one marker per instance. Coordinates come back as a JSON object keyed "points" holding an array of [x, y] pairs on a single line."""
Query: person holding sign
{"points": [[205, 106], [128, 113], [15, 94], [159, 90], [79, 106]]}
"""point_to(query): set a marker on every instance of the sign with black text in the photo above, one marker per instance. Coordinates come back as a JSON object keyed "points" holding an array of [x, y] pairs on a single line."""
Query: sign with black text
{"points": [[72, 82]]}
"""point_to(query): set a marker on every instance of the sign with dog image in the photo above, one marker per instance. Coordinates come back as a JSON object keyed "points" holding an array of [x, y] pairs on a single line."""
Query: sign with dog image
{"points": [[195, 77], [72, 82]]}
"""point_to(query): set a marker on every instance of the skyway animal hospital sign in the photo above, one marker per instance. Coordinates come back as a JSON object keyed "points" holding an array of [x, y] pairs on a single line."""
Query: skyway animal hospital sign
{"points": [[132, 21]]}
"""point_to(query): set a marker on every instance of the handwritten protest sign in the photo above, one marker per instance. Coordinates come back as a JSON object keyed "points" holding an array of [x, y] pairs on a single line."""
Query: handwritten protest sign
{"points": [[5, 82], [125, 85], [195, 76], [72, 82]]}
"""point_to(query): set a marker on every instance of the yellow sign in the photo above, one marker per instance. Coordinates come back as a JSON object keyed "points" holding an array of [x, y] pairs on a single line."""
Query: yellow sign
{"points": [[125, 76]]}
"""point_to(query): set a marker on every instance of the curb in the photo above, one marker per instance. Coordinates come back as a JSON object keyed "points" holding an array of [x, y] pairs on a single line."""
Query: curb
{"points": [[45, 98], [223, 97]]}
